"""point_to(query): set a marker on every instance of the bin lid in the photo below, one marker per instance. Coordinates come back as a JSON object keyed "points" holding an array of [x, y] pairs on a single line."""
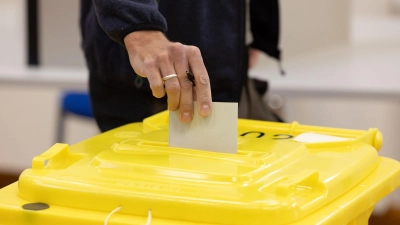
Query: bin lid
{"points": [[274, 178]]}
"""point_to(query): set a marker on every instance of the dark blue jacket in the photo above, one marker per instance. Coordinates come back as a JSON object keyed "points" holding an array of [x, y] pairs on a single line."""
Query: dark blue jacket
{"points": [[217, 27]]}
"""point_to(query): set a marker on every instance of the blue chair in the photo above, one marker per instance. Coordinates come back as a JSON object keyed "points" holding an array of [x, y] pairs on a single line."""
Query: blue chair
{"points": [[75, 103]]}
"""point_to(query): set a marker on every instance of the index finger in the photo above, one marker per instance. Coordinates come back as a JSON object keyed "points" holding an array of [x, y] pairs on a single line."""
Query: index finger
{"points": [[203, 88]]}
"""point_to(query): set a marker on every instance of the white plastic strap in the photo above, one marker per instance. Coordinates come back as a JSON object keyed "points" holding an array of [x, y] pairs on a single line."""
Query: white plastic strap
{"points": [[112, 212], [148, 222]]}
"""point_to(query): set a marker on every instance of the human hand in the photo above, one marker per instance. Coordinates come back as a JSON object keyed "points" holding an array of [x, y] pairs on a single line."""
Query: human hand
{"points": [[253, 57], [153, 56]]}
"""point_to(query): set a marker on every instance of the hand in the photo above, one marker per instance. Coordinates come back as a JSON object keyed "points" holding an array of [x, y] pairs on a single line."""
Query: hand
{"points": [[253, 57], [153, 56]]}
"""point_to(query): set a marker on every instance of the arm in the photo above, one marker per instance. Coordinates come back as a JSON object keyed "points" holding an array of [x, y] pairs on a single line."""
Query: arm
{"points": [[118, 18], [264, 19], [140, 27]]}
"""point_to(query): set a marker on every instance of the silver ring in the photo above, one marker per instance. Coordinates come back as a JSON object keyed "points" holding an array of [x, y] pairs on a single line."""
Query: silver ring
{"points": [[169, 77]]}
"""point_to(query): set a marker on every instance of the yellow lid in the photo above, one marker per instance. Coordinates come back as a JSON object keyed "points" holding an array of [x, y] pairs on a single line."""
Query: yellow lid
{"points": [[273, 179]]}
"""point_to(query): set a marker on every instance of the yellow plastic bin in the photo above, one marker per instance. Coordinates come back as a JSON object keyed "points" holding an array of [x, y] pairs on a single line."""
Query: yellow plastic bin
{"points": [[130, 176]]}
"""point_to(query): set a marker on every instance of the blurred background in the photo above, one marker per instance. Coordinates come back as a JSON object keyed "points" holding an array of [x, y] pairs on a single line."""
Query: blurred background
{"points": [[341, 57]]}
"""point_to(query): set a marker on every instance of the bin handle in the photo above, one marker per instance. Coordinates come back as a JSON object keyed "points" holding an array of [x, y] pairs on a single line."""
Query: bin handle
{"points": [[308, 179], [40, 161]]}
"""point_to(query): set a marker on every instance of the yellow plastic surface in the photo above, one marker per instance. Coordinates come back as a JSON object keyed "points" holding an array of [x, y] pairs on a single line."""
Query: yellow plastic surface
{"points": [[271, 180]]}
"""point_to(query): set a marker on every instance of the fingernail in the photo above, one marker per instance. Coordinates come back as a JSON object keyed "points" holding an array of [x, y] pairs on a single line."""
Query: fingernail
{"points": [[186, 117], [205, 110]]}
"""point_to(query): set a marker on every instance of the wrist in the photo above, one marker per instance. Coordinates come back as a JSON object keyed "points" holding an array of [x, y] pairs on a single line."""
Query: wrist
{"points": [[143, 37]]}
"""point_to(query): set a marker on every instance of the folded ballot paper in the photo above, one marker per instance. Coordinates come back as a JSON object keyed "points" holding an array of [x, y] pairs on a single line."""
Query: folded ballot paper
{"points": [[216, 132]]}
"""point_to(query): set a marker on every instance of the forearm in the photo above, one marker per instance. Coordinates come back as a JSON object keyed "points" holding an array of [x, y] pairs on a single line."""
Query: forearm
{"points": [[118, 18], [264, 19]]}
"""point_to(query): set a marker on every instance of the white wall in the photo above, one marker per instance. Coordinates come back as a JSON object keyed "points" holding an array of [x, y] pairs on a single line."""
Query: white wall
{"points": [[371, 7], [311, 24], [28, 113], [28, 124], [12, 33], [59, 33], [306, 25]]}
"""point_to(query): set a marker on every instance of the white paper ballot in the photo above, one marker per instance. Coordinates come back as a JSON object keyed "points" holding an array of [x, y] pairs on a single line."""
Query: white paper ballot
{"points": [[216, 132]]}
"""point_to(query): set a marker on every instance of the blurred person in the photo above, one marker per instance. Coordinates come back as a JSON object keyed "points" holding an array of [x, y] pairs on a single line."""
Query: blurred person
{"points": [[125, 41]]}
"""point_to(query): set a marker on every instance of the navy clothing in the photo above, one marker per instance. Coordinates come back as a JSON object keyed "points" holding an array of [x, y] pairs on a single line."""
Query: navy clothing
{"points": [[217, 27]]}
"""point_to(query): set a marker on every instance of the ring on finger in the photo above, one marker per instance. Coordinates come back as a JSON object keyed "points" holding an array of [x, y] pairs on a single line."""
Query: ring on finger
{"points": [[169, 77]]}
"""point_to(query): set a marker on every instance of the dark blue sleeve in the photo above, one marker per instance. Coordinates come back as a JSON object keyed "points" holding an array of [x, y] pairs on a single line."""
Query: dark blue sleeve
{"points": [[118, 18], [264, 20]]}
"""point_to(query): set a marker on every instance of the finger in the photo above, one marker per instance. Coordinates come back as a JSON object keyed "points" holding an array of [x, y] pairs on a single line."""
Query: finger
{"points": [[153, 75], [140, 67], [172, 86], [203, 89], [139, 72], [186, 96], [194, 94]]}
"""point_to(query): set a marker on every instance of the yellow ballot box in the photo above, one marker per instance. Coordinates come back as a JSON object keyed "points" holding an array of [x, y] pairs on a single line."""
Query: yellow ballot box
{"points": [[282, 174]]}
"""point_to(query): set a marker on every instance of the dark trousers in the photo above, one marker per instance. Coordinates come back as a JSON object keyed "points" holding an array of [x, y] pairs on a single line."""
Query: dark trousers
{"points": [[113, 107]]}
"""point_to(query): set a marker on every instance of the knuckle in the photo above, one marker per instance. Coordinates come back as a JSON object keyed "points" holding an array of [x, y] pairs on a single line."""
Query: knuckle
{"points": [[204, 80], [172, 88], [172, 106], [138, 72], [156, 85], [163, 57], [186, 85], [193, 50], [149, 63], [157, 89], [204, 99], [186, 106], [158, 94], [177, 48]]}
